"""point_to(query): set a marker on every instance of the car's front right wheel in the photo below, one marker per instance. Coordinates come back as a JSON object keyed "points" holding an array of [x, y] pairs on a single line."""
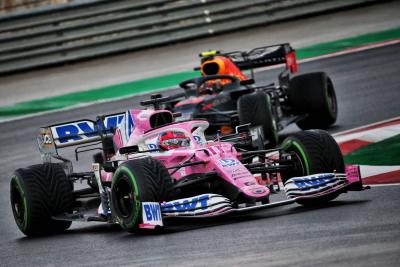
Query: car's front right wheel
{"points": [[312, 152]]}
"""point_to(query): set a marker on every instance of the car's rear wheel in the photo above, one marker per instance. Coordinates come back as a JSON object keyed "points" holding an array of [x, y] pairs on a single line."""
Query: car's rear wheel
{"points": [[38, 193], [313, 94], [313, 151], [256, 108], [137, 181]]}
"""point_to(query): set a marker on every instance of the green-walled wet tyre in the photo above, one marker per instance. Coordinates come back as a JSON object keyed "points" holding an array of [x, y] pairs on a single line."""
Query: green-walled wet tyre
{"points": [[313, 151], [137, 181], [38, 193]]}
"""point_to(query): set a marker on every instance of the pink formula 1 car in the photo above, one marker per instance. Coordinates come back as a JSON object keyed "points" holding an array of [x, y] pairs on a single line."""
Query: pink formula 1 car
{"points": [[152, 168]]}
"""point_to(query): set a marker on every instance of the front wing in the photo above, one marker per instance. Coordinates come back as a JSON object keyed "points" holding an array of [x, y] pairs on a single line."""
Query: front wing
{"points": [[213, 205], [297, 188]]}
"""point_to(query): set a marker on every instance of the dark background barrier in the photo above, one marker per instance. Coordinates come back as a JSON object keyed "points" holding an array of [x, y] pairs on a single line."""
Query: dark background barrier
{"points": [[86, 29]]}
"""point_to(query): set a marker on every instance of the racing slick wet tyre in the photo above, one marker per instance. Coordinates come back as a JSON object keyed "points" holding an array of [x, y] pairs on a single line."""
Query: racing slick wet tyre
{"points": [[313, 151], [313, 94], [134, 182], [256, 109], [38, 193]]}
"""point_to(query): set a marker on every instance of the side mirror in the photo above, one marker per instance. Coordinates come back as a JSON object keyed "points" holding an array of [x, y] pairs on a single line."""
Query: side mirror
{"points": [[129, 149], [110, 166], [243, 128], [176, 114]]}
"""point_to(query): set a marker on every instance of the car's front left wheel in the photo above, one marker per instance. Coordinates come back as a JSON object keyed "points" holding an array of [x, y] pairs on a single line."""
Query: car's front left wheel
{"points": [[134, 182]]}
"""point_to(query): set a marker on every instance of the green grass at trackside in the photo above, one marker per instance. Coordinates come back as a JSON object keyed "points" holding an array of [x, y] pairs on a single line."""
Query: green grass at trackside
{"points": [[167, 81], [103, 93], [339, 45], [383, 153]]}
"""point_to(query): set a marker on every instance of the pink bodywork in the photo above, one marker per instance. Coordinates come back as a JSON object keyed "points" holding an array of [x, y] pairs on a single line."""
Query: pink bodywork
{"points": [[220, 157], [353, 174]]}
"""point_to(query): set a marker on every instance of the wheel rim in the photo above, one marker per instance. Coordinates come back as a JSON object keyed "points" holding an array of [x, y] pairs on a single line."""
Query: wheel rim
{"points": [[274, 128], [124, 198], [299, 164], [18, 204], [331, 99], [299, 168]]}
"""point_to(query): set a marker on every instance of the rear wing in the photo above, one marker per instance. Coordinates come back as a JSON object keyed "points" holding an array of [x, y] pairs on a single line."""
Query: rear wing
{"points": [[260, 57], [75, 133]]}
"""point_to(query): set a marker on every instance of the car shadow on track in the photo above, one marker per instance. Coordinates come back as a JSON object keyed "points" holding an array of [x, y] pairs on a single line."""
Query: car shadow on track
{"points": [[92, 229], [177, 225], [292, 129], [187, 224]]}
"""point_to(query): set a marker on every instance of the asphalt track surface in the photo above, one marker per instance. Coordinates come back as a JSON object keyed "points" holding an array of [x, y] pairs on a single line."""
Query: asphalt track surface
{"points": [[357, 229]]}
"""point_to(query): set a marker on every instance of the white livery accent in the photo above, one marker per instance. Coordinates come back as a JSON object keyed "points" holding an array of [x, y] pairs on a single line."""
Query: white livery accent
{"points": [[83, 131], [151, 213], [206, 204], [312, 184]]}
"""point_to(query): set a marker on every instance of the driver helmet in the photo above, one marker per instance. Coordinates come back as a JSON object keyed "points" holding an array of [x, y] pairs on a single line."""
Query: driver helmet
{"points": [[172, 140], [210, 87]]}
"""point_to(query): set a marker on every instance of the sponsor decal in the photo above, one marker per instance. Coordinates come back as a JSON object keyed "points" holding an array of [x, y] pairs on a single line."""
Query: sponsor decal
{"points": [[96, 167], [197, 139], [128, 125], [152, 213], [152, 146], [84, 129], [258, 191], [188, 204], [112, 121], [316, 185], [46, 143], [229, 162], [47, 139], [74, 131], [307, 182], [239, 174]]}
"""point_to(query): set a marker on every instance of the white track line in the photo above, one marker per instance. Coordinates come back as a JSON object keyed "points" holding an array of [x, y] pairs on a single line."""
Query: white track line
{"points": [[335, 54], [366, 126], [381, 185], [352, 50]]}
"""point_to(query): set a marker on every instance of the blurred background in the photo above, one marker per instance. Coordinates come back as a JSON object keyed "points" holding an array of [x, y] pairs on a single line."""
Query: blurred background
{"points": [[52, 48], [41, 33]]}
